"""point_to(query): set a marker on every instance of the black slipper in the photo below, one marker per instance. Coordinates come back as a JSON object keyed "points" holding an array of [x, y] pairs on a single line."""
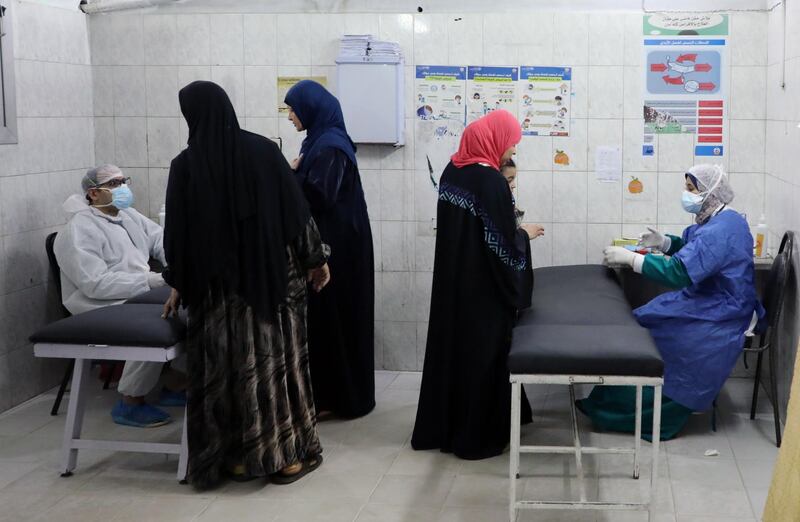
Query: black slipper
{"points": [[308, 466]]}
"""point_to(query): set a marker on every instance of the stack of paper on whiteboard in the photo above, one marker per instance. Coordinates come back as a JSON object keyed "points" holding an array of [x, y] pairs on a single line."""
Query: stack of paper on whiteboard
{"points": [[361, 45]]}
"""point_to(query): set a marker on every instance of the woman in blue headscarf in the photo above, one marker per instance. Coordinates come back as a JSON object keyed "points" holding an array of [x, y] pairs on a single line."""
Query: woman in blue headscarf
{"points": [[341, 317]]}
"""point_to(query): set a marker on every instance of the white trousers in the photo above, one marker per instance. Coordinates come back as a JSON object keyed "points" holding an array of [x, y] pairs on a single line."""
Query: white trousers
{"points": [[140, 377]]}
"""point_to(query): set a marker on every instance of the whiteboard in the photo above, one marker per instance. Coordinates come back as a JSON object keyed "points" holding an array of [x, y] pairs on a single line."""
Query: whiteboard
{"points": [[371, 95]]}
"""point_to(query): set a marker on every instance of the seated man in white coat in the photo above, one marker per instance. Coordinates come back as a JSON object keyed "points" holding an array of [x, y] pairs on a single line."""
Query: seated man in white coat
{"points": [[103, 253]]}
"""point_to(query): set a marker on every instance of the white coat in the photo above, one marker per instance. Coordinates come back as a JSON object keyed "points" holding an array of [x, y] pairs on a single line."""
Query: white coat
{"points": [[104, 259]]}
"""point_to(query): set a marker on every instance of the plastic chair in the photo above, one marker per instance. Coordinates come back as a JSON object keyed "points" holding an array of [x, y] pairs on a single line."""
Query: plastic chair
{"points": [[55, 271]]}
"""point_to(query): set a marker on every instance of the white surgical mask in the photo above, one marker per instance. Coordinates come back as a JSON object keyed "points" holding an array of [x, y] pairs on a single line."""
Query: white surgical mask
{"points": [[692, 202]]}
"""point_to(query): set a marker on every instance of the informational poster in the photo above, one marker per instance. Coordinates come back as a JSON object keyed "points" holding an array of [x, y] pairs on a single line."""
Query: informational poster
{"points": [[491, 88], [441, 92], [608, 164], [287, 82], [544, 100], [684, 91], [684, 80]]}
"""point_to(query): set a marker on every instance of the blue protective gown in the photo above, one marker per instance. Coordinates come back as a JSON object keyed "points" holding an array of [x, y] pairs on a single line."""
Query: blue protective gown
{"points": [[700, 329]]}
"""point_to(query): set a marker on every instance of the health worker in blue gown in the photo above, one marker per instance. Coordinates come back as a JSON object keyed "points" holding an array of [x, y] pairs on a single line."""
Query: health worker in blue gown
{"points": [[699, 328]]}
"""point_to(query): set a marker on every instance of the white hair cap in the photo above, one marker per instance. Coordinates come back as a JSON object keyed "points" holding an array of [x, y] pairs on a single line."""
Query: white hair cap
{"points": [[100, 175], [712, 178]]}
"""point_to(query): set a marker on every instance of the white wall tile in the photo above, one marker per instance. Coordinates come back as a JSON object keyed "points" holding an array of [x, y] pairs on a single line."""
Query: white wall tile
{"points": [[575, 146], [748, 38], [747, 143], [605, 92], [748, 93], [775, 37], [227, 39], [130, 91], [430, 39], [642, 207], [260, 90], [162, 141], [426, 196], [606, 39], [397, 245], [127, 39], [749, 189], [580, 92], [193, 39], [465, 40], [294, 35], [397, 195], [604, 201], [572, 50], [231, 78], [599, 236], [400, 345], [399, 158], [260, 39], [130, 141], [569, 243], [162, 91], [535, 195], [326, 30], [103, 90], [104, 147], [633, 91], [17, 210], [535, 153], [160, 45], [634, 54], [570, 195], [50, 144], [398, 296]]}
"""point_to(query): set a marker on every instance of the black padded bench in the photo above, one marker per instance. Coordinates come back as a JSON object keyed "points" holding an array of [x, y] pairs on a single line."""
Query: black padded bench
{"points": [[580, 330], [134, 331]]}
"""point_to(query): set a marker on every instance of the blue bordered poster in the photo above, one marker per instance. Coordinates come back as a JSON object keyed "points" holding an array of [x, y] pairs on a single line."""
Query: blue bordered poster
{"points": [[545, 100], [440, 93], [489, 89]]}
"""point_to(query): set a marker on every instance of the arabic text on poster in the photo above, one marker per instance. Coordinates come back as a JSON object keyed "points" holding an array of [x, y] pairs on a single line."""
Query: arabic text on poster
{"points": [[491, 88], [544, 100]]}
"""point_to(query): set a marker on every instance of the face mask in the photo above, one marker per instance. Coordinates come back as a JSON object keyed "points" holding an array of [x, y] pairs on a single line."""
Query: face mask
{"points": [[121, 198], [691, 202]]}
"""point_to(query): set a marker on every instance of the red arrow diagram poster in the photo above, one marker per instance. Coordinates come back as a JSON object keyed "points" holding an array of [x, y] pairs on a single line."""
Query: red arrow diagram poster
{"points": [[684, 91]]}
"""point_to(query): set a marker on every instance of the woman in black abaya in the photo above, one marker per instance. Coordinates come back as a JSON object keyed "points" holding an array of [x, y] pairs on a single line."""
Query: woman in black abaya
{"points": [[240, 244]]}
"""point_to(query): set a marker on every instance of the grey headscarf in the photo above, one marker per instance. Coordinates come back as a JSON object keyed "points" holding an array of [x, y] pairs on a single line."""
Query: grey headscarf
{"points": [[712, 182]]}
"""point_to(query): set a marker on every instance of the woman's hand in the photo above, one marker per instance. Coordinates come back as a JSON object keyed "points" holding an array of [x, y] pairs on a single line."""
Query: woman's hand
{"points": [[172, 305], [319, 277], [533, 230], [296, 162]]}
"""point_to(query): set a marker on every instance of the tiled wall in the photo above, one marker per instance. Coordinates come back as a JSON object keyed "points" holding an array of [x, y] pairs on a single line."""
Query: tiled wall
{"points": [[140, 61], [56, 137], [782, 195]]}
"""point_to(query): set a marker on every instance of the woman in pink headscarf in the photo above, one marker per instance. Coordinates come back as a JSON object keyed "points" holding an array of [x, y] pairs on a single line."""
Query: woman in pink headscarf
{"points": [[464, 405]]}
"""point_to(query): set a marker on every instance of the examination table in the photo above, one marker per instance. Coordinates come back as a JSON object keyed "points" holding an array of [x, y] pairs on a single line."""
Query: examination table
{"points": [[580, 330]]}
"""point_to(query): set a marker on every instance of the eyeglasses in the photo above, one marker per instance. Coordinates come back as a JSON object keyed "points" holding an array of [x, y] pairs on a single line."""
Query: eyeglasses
{"points": [[116, 182]]}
